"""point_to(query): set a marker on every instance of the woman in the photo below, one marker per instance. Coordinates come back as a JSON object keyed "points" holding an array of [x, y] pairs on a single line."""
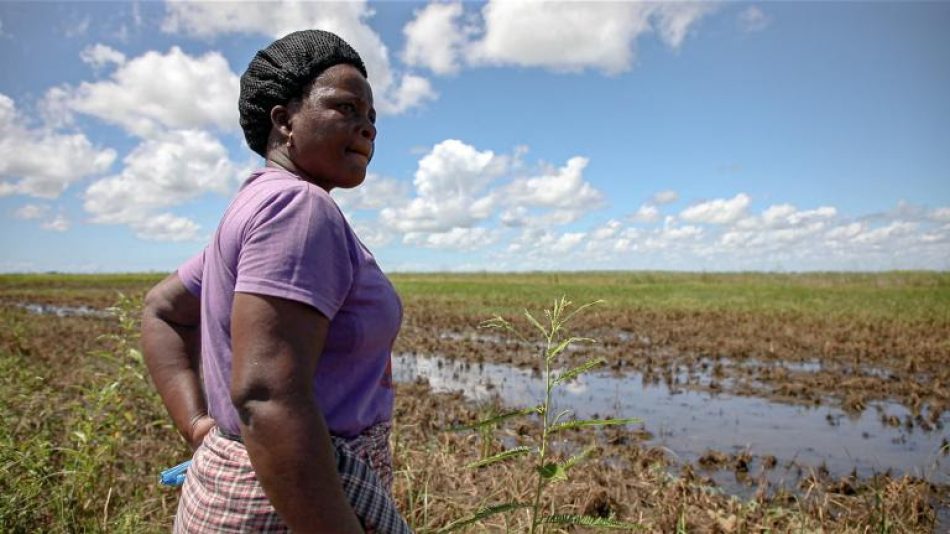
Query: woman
{"points": [[294, 319]]}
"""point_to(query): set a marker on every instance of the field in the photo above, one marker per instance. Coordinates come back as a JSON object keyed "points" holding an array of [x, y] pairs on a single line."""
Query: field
{"points": [[722, 368]]}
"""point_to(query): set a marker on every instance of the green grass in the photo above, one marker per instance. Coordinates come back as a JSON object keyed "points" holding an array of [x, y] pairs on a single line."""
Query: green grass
{"points": [[904, 295], [907, 295]]}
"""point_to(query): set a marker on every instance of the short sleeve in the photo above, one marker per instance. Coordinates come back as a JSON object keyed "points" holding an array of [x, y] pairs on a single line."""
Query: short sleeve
{"points": [[190, 273], [297, 247]]}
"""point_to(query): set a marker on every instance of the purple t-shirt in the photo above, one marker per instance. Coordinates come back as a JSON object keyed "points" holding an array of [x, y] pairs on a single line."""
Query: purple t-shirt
{"points": [[285, 237]]}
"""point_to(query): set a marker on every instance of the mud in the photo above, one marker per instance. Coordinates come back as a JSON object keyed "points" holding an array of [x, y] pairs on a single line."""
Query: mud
{"points": [[785, 357], [690, 423], [814, 423]]}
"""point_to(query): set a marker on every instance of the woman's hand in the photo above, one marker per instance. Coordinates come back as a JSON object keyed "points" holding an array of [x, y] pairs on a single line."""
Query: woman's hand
{"points": [[200, 426], [171, 344]]}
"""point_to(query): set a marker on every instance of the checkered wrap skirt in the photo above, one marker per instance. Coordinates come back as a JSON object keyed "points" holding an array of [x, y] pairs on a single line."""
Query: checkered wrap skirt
{"points": [[221, 492]]}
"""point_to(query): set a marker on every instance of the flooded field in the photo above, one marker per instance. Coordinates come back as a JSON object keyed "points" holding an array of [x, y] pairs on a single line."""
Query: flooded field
{"points": [[768, 402], [691, 424]]}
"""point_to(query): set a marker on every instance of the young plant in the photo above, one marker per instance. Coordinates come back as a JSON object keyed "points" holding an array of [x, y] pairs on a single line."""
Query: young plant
{"points": [[554, 339]]}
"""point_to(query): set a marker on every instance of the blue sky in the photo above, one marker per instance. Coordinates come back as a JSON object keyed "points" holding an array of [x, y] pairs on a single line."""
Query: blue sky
{"points": [[512, 136]]}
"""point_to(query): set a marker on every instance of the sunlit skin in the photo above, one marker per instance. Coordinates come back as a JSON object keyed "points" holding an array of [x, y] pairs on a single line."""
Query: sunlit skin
{"points": [[327, 135]]}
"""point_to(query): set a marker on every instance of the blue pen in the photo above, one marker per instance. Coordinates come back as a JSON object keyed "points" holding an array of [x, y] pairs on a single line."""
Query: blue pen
{"points": [[174, 476]]}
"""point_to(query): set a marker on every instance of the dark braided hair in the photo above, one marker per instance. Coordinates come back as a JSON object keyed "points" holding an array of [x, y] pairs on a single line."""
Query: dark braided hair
{"points": [[280, 72]]}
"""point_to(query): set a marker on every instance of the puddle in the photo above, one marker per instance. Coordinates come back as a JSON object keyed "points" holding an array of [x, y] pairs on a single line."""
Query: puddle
{"points": [[63, 311], [689, 423]]}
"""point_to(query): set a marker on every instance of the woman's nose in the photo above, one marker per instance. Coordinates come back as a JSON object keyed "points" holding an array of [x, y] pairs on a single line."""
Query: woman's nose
{"points": [[368, 130]]}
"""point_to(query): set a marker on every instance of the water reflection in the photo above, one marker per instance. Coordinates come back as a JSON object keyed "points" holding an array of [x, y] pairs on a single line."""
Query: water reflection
{"points": [[689, 423]]}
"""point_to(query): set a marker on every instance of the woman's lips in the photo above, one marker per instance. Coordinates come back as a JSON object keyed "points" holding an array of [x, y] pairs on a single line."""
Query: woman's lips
{"points": [[363, 152]]}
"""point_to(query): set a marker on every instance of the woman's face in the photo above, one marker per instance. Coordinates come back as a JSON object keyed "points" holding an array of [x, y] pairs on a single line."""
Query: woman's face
{"points": [[333, 129]]}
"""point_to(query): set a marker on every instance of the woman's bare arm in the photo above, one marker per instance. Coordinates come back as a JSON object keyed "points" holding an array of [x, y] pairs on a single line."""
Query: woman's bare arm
{"points": [[276, 344], [171, 344]]}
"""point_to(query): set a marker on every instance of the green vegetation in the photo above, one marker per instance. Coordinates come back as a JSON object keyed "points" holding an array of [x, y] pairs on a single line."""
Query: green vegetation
{"points": [[909, 295], [905, 295], [554, 340], [82, 435]]}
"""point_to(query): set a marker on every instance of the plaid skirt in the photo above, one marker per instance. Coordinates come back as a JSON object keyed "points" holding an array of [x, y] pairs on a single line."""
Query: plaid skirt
{"points": [[221, 492]]}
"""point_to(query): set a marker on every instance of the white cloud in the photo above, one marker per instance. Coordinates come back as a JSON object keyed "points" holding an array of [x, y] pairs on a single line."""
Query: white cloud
{"points": [[458, 187], [941, 214], [753, 19], [78, 28], [394, 94], [845, 232], [434, 38], [646, 213], [155, 91], [375, 193], [561, 36], [57, 224], [100, 55], [564, 190], [42, 162], [718, 211], [449, 182], [372, 233], [878, 236], [166, 227], [670, 234], [31, 211], [542, 243], [610, 229], [160, 173], [664, 197], [675, 19], [455, 239], [411, 91], [787, 215], [514, 216]]}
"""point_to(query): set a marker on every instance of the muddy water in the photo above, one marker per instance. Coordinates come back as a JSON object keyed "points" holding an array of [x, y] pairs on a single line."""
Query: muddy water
{"points": [[63, 311], [690, 423]]}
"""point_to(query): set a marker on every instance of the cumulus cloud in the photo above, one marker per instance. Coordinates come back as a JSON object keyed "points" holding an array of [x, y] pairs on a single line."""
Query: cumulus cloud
{"points": [[156, 92], [560, 36], [160, 173], [435, 39], [394, 93], [165, 227], [100, 55], [372, 232], [456, 238], [646, 213], [941, 215], [664, 197], [563, 189], [449, 183], [753, 19], [31, 211], [58, 224], [43, 162], [718, 211], [459, 187], [539, 242], [375, 193]]}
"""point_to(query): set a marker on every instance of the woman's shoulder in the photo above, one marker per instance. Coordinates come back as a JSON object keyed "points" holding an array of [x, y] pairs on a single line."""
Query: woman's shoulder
{"points": [[274, 190]]}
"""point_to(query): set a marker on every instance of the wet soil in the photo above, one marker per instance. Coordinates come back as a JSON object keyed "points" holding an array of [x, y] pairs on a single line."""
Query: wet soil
{"points": [[839, 379], [786, 357]]}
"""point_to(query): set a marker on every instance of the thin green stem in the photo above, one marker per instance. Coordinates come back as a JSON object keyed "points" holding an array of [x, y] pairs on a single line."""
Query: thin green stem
{"points": [[535, 508]]}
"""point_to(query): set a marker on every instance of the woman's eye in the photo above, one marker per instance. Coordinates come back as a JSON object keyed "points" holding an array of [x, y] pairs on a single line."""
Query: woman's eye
{"points": [[347, 108]]}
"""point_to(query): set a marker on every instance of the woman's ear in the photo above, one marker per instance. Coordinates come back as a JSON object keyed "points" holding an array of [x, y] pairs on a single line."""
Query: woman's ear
{"points": [[280, 120]]}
